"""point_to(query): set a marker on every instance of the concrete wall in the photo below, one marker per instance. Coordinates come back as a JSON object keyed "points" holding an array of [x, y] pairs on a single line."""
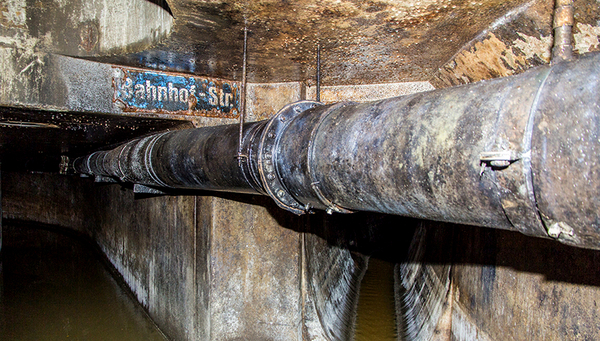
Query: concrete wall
{"points": [[235, 267], [205, 268], [470, 283]]}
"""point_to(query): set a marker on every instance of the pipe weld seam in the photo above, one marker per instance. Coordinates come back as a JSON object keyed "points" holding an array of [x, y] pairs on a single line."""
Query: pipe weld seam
{"points": [[331, 206], [526, 153], [148, 160]]}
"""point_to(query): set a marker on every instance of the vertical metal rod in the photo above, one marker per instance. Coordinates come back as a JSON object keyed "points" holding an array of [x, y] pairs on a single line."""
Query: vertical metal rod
{"points": [[244, 82], [318, 97]]}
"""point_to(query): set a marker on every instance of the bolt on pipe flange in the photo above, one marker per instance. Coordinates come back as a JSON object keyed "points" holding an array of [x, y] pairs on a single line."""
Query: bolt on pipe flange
{"points": [[268, 152]]}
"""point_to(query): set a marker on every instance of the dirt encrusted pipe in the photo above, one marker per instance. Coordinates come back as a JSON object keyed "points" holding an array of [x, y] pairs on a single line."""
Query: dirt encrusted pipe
{"points": [[518, 153], [201, 159]]}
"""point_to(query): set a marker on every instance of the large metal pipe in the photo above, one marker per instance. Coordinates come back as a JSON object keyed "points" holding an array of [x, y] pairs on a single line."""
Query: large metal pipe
{"points": [[516, 153], [184, 159]]}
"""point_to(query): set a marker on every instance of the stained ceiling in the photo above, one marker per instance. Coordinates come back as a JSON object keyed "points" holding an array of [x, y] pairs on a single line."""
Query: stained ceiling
{"points": [[362, 42]]}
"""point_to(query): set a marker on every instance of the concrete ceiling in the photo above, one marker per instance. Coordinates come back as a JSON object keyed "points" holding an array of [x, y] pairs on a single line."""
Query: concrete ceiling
{"points": [[362, 42]]}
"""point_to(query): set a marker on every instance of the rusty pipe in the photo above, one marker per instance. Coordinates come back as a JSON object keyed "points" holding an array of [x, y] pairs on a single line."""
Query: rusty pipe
{"points": [[562, 24], [182, 159], [498, 153]]}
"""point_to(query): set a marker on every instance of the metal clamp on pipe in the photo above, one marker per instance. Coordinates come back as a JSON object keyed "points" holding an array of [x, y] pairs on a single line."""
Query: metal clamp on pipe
{"points": [[313, 154], [269, 151]]}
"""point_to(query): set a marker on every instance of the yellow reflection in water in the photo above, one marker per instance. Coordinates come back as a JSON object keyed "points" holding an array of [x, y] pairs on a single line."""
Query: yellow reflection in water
{"points": [[375, 320]]}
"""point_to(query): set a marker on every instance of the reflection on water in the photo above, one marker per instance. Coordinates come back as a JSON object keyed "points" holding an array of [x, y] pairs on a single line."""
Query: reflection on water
{"points": [[55, 287], [375, 320]]}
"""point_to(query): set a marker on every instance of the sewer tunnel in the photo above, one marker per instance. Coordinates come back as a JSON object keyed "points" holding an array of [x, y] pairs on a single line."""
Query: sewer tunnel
{"points": [[393, 170]]}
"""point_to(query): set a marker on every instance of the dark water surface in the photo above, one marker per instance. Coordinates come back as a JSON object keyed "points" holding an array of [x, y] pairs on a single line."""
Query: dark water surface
{"points": [[54, 286]]}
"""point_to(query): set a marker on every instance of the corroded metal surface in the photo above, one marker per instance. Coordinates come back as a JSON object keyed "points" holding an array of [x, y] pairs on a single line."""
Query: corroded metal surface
{"points": [[563, 30], [396, 156], [170, 93], [562, 171], [266, 160], [192, 158], [36, 139], [415, 155]]}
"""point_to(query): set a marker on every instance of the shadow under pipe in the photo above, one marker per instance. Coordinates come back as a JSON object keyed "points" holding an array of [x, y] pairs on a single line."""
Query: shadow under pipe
{"points": [[517, 153]]}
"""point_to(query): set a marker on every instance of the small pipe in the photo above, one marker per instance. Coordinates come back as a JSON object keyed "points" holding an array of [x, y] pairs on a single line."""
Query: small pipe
{"points": [[499, 153], [563, 31]]}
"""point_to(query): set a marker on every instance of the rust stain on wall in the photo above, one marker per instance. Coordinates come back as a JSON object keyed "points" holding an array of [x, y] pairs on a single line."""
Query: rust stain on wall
{"points": [[518, 42], [362, 42], [492, 58], [12, 15], [586, 39]]}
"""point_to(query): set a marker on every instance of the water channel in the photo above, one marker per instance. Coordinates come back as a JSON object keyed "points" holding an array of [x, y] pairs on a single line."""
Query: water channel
{"points": [[56, 285], [53, 286]]}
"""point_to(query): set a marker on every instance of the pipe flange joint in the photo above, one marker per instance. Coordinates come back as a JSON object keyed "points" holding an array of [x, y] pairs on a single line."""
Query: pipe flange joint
{"points": [[268, 152]]}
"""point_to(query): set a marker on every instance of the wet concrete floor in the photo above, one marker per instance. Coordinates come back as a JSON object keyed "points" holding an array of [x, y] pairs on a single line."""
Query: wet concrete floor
{"points": [[54, 286]]}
